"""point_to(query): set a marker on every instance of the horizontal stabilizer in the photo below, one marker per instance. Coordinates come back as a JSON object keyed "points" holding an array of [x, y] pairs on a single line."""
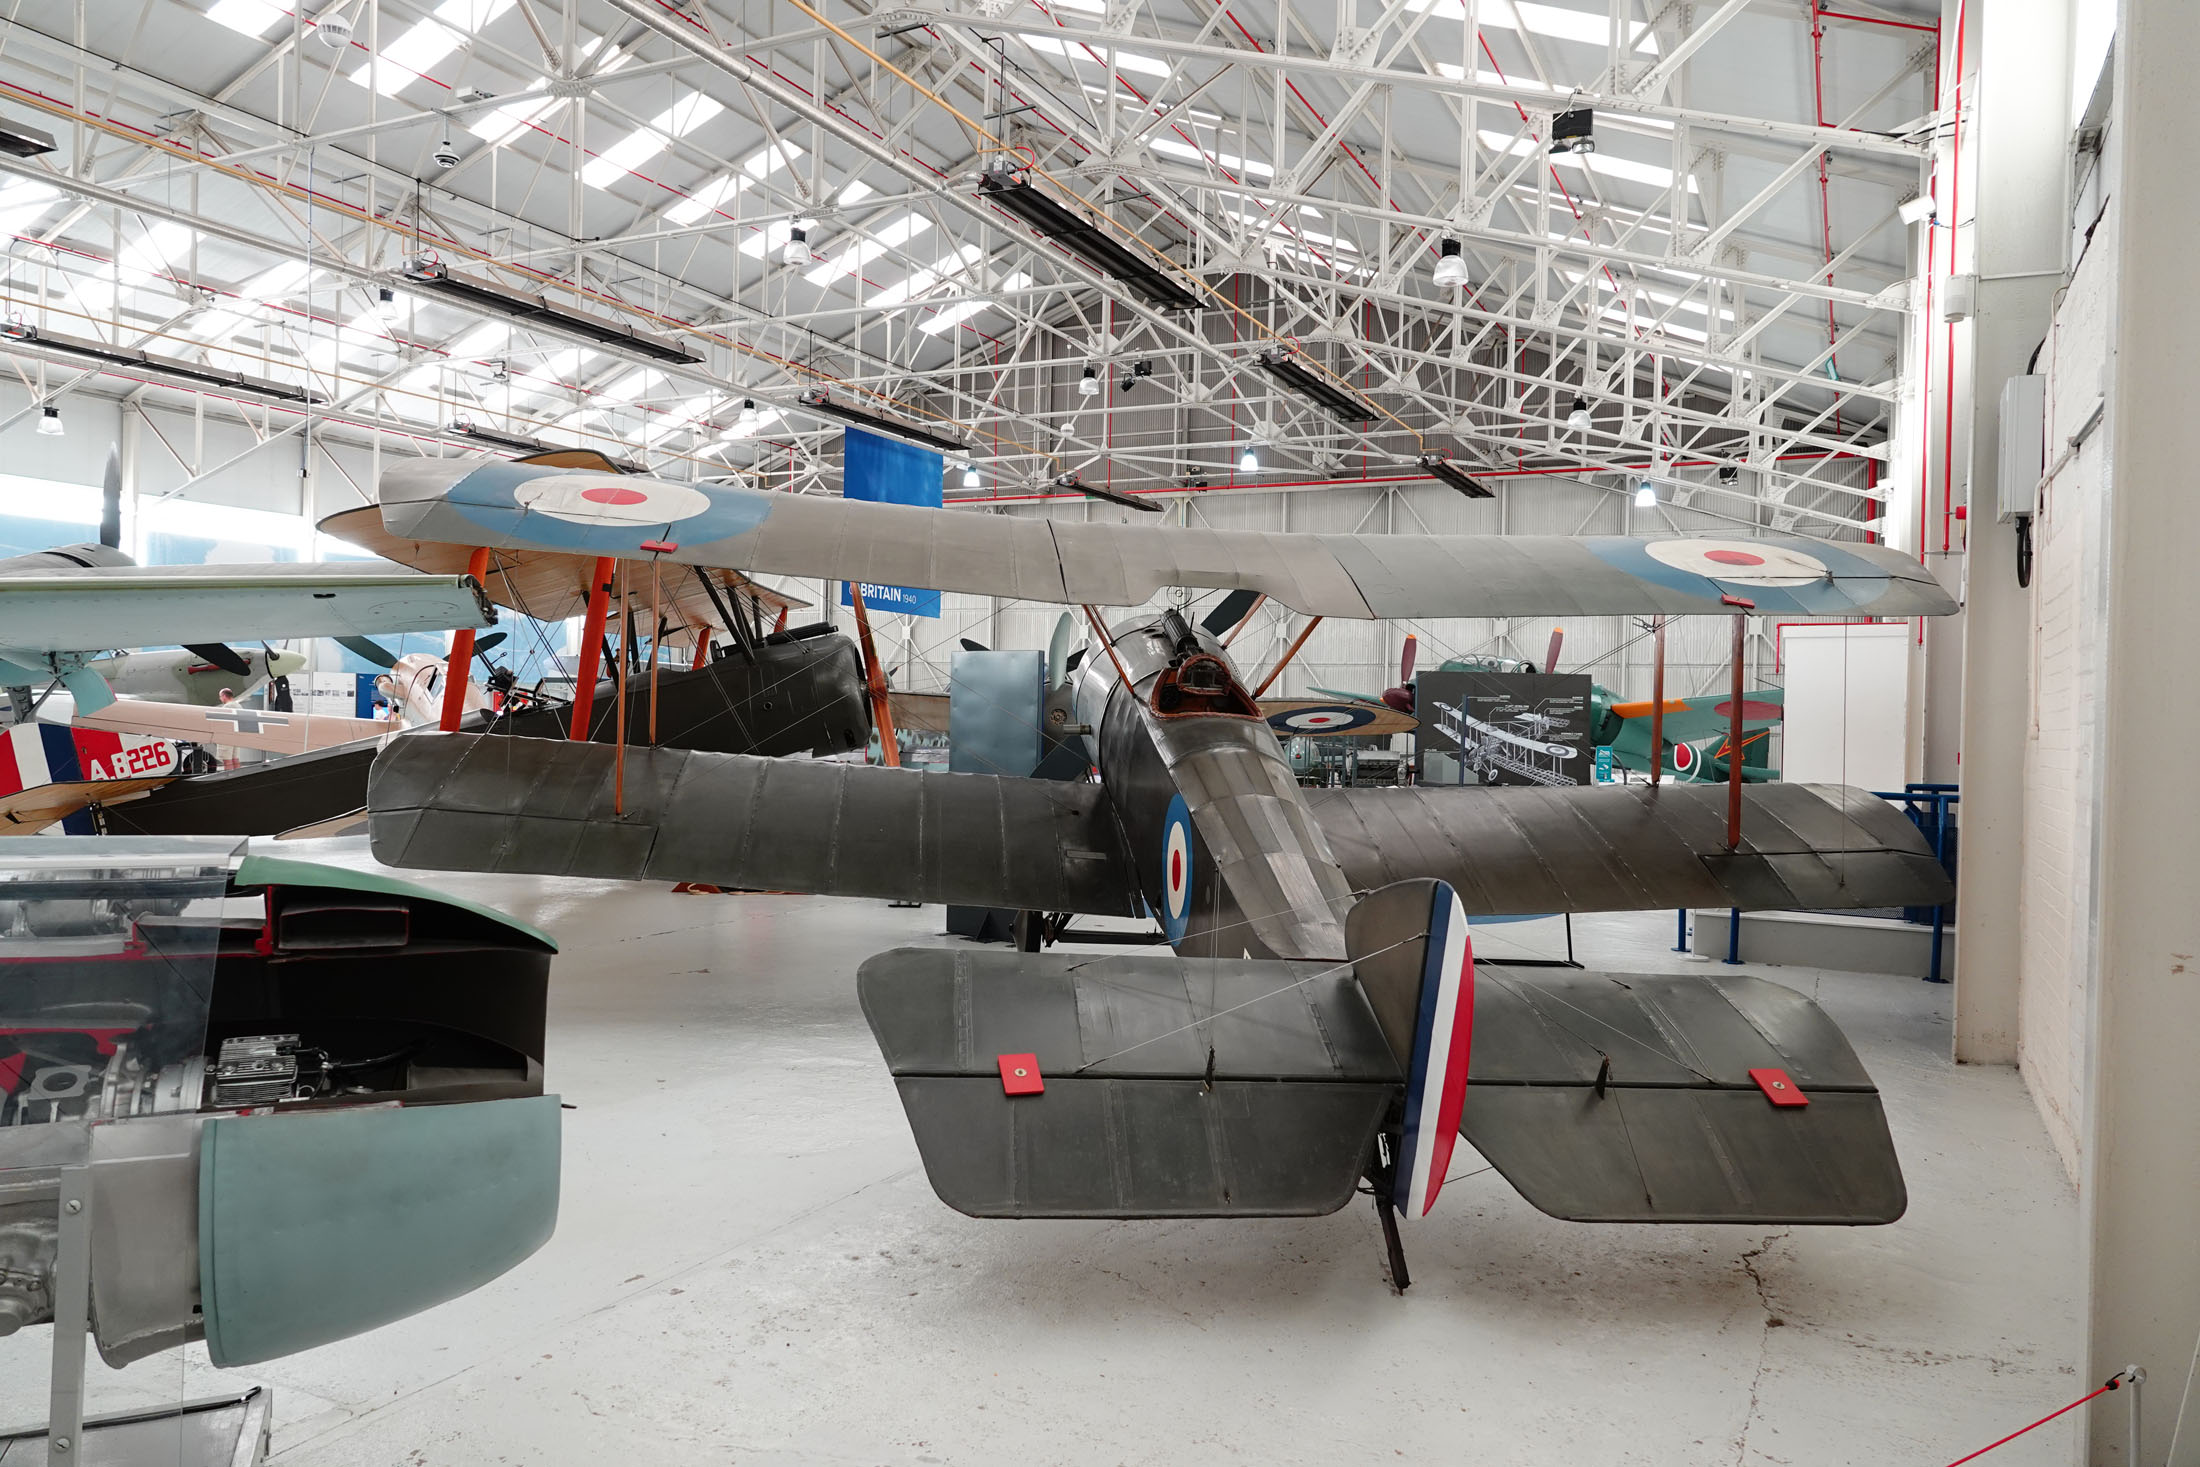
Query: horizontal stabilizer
{"points": [[1174, 1087], [470, 802], [1629, 1098], [1612, 848]]}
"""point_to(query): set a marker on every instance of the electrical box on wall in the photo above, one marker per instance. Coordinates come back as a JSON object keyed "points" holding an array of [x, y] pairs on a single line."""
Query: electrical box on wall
{"points": [[1958, 297], [2023, 455]]}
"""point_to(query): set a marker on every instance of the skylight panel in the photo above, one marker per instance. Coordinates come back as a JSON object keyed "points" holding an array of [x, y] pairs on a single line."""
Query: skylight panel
{"points": [[855, 193], [902, 292], [1229, 162], [952, 316], [154, 253], [634, 386], [1587, 27], [486, 341], [1075, 51], [647, 141], [247, 17], [23, 203], [407, 59], [754, 169], [889, 236]]}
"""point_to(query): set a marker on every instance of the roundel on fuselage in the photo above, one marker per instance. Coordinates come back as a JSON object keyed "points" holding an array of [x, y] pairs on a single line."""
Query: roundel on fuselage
{"points": [[1176, 870]]}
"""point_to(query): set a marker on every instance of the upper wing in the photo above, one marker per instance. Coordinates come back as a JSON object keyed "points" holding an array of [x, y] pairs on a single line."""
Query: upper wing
{"points": [[238, 727], [534, 507], [471, 802], [552, 585], [1608, 848], [131, 606]]}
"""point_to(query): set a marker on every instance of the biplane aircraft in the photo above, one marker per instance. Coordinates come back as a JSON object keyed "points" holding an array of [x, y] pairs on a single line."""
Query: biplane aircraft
{"points": [[1321, 1019]]}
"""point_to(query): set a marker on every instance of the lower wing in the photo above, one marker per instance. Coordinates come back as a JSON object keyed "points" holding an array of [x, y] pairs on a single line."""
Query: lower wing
{"points": [[1609, 848]]}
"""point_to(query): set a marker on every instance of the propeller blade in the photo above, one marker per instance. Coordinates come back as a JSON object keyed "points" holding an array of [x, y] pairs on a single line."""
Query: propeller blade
{"points": [[110, 501], [87, 687], [1065, 631], [369, 649], [221, 655], [1405, 660], [1558, 640], [970, 646], [483, 644], [1229, 611], [1069, 664]]}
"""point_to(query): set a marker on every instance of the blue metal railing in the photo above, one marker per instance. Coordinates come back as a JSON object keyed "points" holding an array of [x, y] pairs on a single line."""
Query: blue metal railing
{"points": [[1929, 807]]}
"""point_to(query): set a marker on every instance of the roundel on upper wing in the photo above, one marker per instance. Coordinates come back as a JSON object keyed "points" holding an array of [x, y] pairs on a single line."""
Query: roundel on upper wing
{"points": [[1176, 870], [601, 514], [1740, 562], [591, 499], [1328, 719], [1777, 575]]}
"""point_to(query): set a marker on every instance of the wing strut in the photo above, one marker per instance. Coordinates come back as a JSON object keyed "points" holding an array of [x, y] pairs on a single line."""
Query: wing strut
{"points": [[874, 677], [584, 681]]}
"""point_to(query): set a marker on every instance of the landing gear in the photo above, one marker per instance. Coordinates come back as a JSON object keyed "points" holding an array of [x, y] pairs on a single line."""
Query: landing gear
{"points": [[1381, 1176]]}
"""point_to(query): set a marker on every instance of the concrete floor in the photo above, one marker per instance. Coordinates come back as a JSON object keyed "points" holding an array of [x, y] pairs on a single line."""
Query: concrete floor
{"points": [[750, 1268]]}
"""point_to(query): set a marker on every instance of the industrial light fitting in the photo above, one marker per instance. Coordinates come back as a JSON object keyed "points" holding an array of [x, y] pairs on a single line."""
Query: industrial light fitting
{"points": [[1646, 495], [133, 359], [1148, 273], [385, 303], [1729, 474], [970, 477], [1575, 131], [796, 251], [427, 275], [819, 400], [1451, 266], [1089, 384], [1249, 461], [1131, 378], [1578, 419], [1920, 210], [334, 30], [749, 416], [1315, 387], [1444, 471], [1112, 496], [49, 422], [21, 140]]}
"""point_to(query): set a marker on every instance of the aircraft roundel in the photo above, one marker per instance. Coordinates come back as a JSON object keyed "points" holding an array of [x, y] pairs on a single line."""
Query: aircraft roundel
{"points": [[1684, 758], [1334, 718], [1778, 576], [1740, 562], [600, 514], [589, 499], [1176, 870]]}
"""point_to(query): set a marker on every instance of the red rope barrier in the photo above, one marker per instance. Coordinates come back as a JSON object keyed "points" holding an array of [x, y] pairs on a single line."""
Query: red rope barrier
{"points": [[2113, 1382]]}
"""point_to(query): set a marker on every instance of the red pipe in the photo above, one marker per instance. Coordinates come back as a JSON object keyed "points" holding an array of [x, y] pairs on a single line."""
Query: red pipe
{"points": [[1900, 25], [584, 681], [1955, 190]]}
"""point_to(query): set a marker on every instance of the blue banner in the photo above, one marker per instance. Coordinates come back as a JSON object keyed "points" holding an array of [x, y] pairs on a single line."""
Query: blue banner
{"points": [[888, 471]]}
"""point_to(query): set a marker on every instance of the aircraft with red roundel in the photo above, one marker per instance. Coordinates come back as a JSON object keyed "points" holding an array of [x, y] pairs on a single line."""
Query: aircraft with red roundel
{"points": [[1320, 1019]]}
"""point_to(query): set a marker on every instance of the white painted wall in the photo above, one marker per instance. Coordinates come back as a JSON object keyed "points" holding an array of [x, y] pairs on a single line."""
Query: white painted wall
{"points": [[2059, 855], [1848, 704]]}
